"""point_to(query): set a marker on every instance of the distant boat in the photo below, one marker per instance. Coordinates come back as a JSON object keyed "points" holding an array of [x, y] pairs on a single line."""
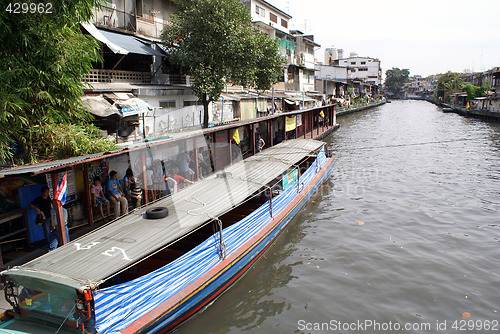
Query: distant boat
{"points": [[153, 269]]}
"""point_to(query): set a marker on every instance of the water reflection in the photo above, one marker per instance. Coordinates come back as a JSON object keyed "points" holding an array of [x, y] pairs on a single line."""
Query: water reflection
{"points": [[251, 300], [427, 250]]}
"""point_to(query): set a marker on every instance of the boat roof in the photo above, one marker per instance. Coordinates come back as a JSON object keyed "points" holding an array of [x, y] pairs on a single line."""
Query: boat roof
{"points": [[90, 260]]}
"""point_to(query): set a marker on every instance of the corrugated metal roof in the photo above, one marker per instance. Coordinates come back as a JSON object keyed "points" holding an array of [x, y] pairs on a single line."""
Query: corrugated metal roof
{"points": [[94, 258], [51, 165]]}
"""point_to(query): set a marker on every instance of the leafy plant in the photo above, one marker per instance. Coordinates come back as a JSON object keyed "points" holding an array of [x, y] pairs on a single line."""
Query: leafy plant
{"points": [[42, 59]]}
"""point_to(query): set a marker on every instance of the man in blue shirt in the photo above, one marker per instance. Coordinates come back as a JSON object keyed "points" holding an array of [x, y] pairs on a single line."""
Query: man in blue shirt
{"points": [[116, 196]]}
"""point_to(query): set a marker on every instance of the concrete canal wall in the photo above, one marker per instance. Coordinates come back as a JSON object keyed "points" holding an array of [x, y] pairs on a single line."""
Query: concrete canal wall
{"points": [[485, 114]]}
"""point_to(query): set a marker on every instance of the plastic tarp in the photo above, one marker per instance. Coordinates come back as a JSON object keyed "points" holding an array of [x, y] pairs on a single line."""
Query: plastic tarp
{"points": [[119, 306], [87, 262]]}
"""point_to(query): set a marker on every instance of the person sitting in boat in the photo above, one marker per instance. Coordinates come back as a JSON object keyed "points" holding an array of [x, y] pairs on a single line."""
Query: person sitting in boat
{"points": [[260, 143], [116, 195], [135, 192], [97, 196], [126, 182], [183, 161], [173, 181], [204, 167]]}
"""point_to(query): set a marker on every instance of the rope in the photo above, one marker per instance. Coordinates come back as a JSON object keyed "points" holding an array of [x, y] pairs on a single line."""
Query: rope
{"points": [[222, 244], [57, 331]]}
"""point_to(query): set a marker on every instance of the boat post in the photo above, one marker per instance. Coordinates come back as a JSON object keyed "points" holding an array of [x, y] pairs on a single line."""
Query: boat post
{"points": [[61, 228], [196, 162], [88, 202], [271, 200], [144, 183]]}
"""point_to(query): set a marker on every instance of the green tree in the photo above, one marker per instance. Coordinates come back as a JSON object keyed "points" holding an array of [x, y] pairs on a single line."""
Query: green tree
{"points": [[448, 83], [475, 91], [42, 59], [395, 79], [215, 42]]}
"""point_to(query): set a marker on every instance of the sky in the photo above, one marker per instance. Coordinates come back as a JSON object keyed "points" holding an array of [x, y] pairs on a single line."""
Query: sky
{"points": [[425, 36]]}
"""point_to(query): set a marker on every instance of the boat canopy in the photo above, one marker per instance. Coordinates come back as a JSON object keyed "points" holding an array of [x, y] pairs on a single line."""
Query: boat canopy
{"points": [[90, 260]]}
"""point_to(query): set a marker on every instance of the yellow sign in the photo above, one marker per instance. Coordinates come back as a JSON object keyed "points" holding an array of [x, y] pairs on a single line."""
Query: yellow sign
{"points": [[290, 123], [236, 136], [322, 114]]}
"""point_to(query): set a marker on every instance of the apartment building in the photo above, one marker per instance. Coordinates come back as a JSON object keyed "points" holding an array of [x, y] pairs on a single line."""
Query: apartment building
{"points": [[135, 91], [304, 67], [296, 48], [366, 69]]}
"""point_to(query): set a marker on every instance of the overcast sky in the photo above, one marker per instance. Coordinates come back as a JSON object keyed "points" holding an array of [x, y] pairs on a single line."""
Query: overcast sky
{"points": [[425, 36]]}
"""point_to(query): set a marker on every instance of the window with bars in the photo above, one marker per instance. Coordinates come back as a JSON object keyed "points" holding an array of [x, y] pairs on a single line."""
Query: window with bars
{"points": [[168, 104], [273, 18], [259, 10]]}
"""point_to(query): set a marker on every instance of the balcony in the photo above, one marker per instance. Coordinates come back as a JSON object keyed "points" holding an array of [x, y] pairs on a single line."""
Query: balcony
{"points": [[113, 76], [112, 18]]}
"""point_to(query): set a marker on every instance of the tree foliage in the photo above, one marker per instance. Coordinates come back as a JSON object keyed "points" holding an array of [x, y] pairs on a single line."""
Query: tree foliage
{"points": [[395, 79], [475, 91], [42, 60], [448, 83], [215, 43]]}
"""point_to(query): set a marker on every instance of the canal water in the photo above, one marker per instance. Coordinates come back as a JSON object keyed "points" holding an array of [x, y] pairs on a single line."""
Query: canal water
{"points": [[405, 235]]}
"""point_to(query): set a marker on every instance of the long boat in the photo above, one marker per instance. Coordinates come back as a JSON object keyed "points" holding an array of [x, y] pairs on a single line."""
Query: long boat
{"points": [[150, 271]]}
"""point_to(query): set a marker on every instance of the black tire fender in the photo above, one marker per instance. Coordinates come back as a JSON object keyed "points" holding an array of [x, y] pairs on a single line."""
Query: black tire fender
{"points": [[157, 212]]}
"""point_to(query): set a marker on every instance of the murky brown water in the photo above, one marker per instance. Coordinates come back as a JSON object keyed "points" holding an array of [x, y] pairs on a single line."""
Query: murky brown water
{"points": [[406, 233]]}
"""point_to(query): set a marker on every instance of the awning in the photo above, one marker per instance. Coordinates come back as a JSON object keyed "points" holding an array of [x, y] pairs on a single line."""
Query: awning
{"points": [[291, 102], [99, 106], [119, 43], [122, 104]]}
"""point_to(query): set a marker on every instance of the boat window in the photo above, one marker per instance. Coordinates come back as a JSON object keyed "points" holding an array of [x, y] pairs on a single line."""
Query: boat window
{"points": [[33, 302]]}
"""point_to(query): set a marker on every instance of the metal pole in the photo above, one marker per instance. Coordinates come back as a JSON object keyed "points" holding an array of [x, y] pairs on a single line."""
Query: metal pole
{"points": [[143, 127], [272, 101], [230, 146], [86, 184], [222, 112], [271, 201], [196, 162], [253, 136], [143, 156]]}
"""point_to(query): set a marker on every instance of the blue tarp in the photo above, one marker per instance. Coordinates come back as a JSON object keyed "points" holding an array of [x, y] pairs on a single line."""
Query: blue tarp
{"points": [[119, 306]]}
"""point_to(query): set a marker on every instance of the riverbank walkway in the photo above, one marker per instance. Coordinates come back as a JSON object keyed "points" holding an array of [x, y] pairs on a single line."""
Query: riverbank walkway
{"points": [[486, 114]]}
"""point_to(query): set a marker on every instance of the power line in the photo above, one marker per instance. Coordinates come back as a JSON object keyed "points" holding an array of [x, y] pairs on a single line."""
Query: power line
{"points": [[414, 144]]}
